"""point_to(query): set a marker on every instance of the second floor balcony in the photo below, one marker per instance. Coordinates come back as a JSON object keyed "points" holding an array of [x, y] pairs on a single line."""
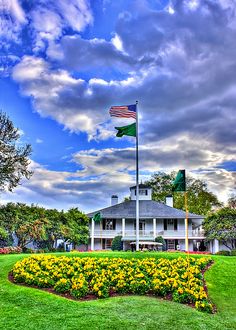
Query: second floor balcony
{"points": [[146, 234]]}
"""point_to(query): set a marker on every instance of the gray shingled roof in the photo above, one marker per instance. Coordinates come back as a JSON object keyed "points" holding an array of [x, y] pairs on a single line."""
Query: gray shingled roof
{"points": [[141, 186], [147, 209]]}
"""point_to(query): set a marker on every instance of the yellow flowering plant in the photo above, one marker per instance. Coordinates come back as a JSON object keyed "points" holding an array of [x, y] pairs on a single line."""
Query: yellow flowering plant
{"points": [[178, 278]]}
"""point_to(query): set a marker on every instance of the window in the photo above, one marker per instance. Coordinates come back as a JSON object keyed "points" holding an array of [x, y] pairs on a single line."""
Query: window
{"points": [[141, 225], [109, 224], [142, 192], [170, 224], [106, 243]]}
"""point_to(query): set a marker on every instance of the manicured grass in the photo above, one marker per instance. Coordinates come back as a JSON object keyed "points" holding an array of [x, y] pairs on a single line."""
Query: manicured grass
{"points": [[27, 308]]}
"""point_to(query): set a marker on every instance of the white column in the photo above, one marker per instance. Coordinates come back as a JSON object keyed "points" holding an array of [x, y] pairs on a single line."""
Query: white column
{"points": [[123, 232], [123, 227], [154, 228], [92, 235], [216, 246]]}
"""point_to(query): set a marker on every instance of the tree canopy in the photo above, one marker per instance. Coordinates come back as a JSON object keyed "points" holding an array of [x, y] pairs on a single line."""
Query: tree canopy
{"points": [[221, 225], [14, 160], [43, 227], [200, 199]]}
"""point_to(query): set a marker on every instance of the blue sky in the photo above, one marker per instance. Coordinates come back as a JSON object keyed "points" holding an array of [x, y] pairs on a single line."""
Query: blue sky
{"points": [[64, 63]]}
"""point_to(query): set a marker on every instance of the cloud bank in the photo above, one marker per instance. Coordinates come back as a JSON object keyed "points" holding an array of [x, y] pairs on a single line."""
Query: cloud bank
{"points": [[178, 61]]}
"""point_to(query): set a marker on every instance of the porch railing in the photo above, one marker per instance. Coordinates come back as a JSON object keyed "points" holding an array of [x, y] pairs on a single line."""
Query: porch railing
{"points": [[179, 233], [146, 233], [106, 233]]}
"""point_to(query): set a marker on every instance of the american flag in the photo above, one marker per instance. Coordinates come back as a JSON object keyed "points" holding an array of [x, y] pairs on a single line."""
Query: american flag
{"points": [[123, 111]]}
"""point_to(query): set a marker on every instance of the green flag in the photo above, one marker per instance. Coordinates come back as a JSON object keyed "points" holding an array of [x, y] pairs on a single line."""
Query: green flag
{"points": [[129, 130], [179, 184], [97, 217]]}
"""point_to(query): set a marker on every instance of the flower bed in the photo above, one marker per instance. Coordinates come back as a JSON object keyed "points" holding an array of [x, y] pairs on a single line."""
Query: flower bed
{"points": [[180, 279], [10, 250]]}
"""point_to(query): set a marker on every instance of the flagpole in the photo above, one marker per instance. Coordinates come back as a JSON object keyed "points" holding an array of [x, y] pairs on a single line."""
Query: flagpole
{"points": [[137, 183]]}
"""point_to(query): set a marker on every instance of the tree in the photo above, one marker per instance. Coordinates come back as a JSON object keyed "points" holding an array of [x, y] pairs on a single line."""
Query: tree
{"points": [[160, 239], [3, 237], [32, 232], [29, 223], [75, 227], [221, 225], [200, 199], [34, 224], [117, 244], [26, 223], [14, 160]]}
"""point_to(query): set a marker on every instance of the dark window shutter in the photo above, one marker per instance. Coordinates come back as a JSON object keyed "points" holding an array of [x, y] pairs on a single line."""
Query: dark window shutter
{"points": [[146, 192], [103, 224], [175, 224], [114, 224], [176, 243], [165, 224]]}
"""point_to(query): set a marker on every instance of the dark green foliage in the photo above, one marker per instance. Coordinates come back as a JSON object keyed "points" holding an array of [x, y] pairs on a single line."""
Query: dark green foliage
{"points": [[200, 199], [117, 244], [14, 160], [6, 241], [33, 224], [223, 253], [75, 229], [3, 233], [160, 239], [221, 225], [5, 238], [233, 253]]}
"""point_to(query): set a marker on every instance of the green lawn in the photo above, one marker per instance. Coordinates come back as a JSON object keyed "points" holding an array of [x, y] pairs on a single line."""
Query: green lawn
{"points": [[26, 308]]}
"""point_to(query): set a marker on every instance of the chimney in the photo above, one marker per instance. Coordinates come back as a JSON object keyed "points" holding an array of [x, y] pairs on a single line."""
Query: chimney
{"points": [[114, 200], [169, 200]]}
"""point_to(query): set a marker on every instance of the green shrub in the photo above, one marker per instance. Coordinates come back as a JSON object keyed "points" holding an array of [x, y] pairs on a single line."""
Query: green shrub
{"points": [[160, 239], [223, 253], [117, 244], [233, 253]]}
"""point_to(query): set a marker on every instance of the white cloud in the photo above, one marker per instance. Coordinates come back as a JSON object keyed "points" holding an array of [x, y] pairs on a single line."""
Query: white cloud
{"points": [[63, 190], [117, 42], [47, 19], [16, 10], [77, 13], [179, 64], [111, 170], [68, 101], [13, 19], [39, 140], [50, 18]]}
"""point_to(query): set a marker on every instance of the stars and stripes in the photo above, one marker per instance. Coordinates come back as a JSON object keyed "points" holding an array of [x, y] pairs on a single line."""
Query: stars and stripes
{"points": [[123, 111]]}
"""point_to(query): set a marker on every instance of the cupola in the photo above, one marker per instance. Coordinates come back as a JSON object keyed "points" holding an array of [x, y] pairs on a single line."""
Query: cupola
{"points": [[145, 192]]}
